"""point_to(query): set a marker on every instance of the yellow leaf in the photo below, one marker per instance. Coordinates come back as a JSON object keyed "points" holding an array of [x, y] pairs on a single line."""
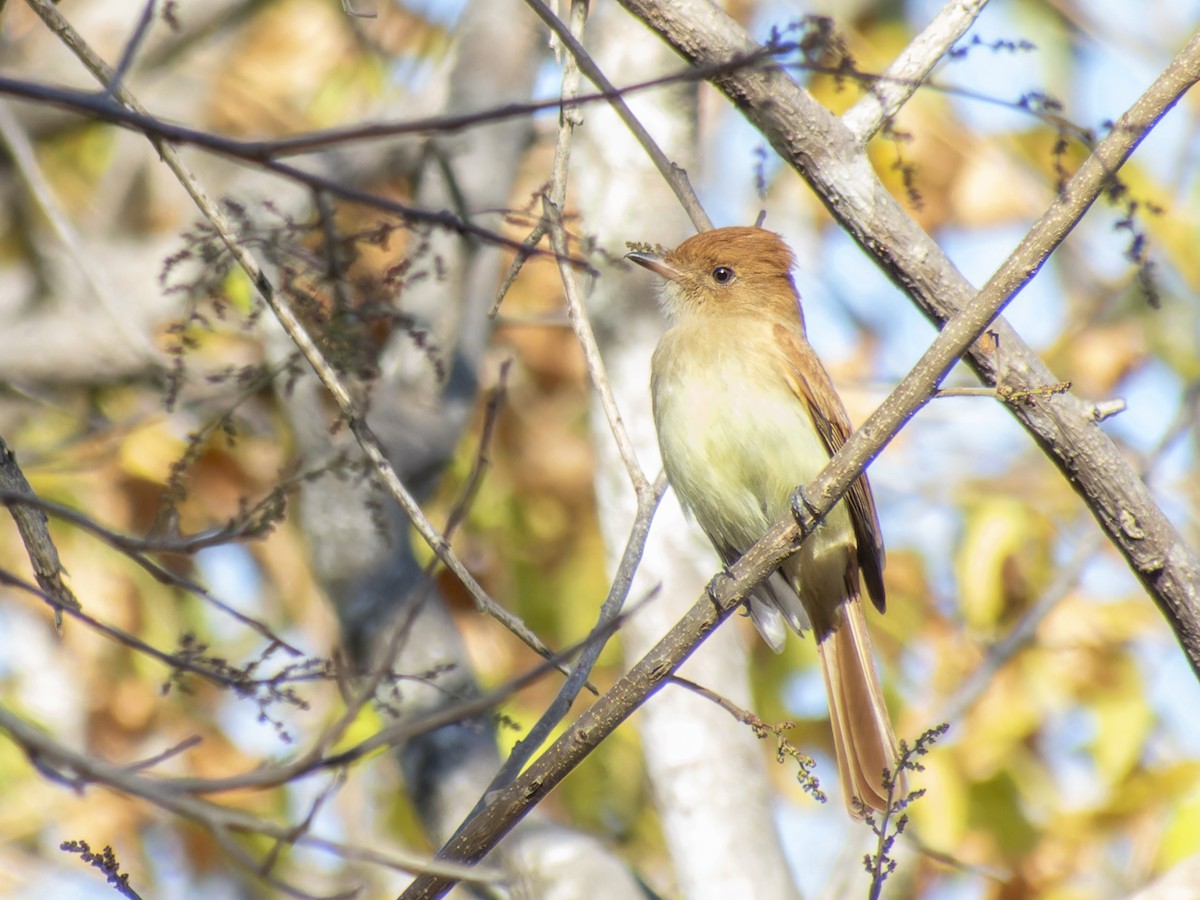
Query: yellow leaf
{"points": [[366, 724], [999, 724], [941, 815], [150, 452], [997, 809], [1000, 543], [1182, 837], [239, 292], [1123, 722]]}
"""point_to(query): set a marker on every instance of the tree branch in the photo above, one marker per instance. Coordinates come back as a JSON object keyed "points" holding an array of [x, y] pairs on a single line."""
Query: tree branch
{"points": [[672, 174], [902, 78]]}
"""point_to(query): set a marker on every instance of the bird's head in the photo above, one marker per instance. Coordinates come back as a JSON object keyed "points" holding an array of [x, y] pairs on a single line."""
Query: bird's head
{"points": [[726, 271]]}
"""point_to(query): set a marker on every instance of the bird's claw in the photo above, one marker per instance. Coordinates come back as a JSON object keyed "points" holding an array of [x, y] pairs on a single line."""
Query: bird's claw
{"points": [[802, 511], [713, 587]]}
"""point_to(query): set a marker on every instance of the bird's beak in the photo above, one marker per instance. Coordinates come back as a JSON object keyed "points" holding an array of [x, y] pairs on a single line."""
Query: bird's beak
{"points": [[655, 264]]}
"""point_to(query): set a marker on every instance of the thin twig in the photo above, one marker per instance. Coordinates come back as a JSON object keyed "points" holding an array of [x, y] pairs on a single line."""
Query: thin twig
{"points": [[578, 59], [1022, 634], [675, 177], [591, 354], [610, 611], [164, 134], [390, 736], [151, 761], [131, 47], [24, 159], [135, 549]]}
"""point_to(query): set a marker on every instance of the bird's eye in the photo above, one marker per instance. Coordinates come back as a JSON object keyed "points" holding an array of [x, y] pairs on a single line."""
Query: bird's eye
{"points": [[722, 275]]}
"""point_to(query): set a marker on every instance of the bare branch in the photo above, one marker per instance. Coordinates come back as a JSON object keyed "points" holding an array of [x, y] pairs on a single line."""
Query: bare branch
{"points": [[25, 160], [648, 496], [132, 45], [164, 134], [32, 525], [904, 76], [137, 549], [671, 173]]}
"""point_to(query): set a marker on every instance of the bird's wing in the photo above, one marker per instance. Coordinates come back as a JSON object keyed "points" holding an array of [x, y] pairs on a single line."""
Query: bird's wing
{"points": [[811, 384]]}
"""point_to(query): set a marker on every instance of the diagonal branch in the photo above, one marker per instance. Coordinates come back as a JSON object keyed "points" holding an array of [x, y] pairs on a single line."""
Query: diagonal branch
{"points": [[829, 157], [32, 525], [893, 88], [509, 805]]}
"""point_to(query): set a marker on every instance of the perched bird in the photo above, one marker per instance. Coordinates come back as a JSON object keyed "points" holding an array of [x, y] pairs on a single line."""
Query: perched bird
{"points": [[746, 414]]}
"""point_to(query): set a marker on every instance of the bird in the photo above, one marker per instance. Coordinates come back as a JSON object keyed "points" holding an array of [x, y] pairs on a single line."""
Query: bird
{"points": [[746, 415]]}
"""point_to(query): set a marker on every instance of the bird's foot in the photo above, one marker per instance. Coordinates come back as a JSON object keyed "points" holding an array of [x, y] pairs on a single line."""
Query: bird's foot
{"points": [[713, 589], [803, 511]]}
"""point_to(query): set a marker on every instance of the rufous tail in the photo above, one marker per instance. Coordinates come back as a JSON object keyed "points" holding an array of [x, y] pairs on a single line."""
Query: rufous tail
{"points": [[862, 732]]}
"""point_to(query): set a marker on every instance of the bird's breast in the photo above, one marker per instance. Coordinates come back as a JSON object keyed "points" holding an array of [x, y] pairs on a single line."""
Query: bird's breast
{"points": [[735, 439]]}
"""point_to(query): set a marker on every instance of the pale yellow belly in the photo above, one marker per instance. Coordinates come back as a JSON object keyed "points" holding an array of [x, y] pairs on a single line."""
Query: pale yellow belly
{"points": [[734, 455]]}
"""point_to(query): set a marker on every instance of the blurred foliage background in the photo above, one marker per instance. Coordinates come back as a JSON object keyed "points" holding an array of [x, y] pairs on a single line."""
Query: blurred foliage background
{"points": [[1072, 768]]}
